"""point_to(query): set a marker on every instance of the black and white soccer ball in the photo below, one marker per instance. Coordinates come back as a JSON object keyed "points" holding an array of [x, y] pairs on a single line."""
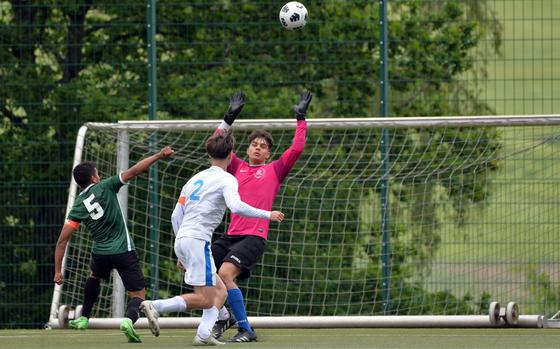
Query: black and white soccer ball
{"points": [[293, 15]]}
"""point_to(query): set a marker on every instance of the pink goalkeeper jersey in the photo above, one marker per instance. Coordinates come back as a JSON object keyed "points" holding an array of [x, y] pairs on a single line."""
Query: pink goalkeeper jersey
{"points": [[258, 185]]}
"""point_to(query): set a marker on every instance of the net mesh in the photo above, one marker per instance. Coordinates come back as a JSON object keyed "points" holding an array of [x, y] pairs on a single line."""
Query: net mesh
{"points": [[473, 218]]}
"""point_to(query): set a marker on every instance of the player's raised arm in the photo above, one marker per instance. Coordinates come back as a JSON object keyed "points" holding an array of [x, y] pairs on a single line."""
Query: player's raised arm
{"points": [[291, 155], [301, 108], [144, 164], [301, 112], [236, 103], [65, 234]]}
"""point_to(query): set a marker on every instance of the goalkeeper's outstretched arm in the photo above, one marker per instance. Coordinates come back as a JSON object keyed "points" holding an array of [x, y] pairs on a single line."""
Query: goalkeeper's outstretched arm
{"points": [[236, 103], [291, 155], [301, 108]]}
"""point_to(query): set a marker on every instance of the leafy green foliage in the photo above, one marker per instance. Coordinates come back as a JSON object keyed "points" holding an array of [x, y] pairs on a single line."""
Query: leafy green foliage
{"points": [[66, 62]]}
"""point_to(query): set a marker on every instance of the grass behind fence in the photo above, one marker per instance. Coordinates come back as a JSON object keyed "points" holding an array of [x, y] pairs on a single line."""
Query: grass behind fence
{"points": [[525, 78]]}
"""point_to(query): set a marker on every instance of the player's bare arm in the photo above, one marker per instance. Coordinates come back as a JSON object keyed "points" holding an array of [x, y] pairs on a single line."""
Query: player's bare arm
{"points": [[144, 164], [65, 235]]}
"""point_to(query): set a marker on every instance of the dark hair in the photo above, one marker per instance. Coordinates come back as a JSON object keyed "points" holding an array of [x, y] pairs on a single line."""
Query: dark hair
{"points": [[260, 133], [219, 145], [83, 172]]}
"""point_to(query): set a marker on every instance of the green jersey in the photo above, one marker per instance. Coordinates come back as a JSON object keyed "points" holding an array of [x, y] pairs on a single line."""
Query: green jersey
{"points": [[98, 208]]}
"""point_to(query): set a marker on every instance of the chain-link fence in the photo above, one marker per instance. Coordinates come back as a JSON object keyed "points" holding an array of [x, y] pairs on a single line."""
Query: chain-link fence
{"points": [[64, 63]]}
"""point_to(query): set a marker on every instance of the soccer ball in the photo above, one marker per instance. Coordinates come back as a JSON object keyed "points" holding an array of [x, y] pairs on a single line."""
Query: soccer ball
{"points": [[293, 15]]}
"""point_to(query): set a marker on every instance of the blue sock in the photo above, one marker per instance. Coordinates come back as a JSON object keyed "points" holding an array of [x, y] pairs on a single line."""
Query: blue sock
{"points": [[235, 300]]}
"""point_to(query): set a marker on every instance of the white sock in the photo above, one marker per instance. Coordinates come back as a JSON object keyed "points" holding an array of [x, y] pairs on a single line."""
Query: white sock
{"points": [[224, 313], [209, 317], [170, 305]]}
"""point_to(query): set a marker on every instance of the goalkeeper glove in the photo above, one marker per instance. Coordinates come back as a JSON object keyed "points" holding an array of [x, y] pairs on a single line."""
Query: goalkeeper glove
{"points": [[236, 103], [301, 107]]}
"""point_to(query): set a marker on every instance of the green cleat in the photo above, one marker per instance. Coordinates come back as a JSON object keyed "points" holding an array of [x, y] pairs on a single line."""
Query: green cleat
{"points": [[80, 323], [128, 329]]}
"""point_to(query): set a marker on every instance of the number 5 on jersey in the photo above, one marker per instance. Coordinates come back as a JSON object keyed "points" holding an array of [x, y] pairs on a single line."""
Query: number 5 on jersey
{"points": [[94, 208]]}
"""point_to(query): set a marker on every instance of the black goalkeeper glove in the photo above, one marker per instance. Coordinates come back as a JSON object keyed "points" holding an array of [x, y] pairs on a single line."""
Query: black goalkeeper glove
{"points": [[301, 107], [236, 103]]}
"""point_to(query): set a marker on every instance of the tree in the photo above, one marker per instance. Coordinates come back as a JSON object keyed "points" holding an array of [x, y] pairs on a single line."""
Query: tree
{"points": [[66, 62]]}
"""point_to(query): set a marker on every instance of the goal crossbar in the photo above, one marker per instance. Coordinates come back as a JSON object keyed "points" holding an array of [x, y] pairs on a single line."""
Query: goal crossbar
{"points": [[350, 123]]}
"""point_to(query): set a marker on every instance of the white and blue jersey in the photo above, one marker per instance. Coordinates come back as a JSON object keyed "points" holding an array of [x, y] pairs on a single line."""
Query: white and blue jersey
{"points": [[199, 210], [203, 202]]}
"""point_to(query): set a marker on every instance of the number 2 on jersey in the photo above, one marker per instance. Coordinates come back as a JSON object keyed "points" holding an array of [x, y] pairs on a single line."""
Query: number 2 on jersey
{"points": [[198, 184], [94, 208]]}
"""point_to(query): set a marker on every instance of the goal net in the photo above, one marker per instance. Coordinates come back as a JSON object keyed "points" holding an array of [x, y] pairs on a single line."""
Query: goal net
{"points": [[440, 216]]}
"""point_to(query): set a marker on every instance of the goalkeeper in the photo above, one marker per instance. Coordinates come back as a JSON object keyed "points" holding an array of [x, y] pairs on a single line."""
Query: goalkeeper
{"points": [[237, 252], [98, 208]]}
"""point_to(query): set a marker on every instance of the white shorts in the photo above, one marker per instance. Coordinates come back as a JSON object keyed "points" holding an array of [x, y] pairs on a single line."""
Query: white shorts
{"points": [[196, 257]]}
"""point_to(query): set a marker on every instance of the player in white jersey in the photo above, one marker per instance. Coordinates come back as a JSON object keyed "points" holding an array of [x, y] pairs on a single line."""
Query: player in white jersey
{"points": [[198, 212], [203, 202]]}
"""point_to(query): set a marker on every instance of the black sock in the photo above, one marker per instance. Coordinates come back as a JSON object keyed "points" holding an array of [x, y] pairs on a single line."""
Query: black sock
{"points": [[91, 292], [132, 311]]}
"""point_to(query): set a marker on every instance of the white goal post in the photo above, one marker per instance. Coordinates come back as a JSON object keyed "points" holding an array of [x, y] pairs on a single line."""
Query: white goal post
{"points": [[463, 190]]}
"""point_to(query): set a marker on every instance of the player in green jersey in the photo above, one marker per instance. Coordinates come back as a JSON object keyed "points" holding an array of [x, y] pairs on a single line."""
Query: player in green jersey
{"points": [[98, 208]]}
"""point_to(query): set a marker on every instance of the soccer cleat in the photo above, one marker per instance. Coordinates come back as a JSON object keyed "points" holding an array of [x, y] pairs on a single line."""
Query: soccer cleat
{"points": [[211, 341], [80, 323], [243, 336], [152, 314], [128, 329], [221, 326]]}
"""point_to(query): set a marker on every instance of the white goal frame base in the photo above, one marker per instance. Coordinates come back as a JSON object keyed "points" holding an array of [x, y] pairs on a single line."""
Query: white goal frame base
{"points": [[389, 321]]}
